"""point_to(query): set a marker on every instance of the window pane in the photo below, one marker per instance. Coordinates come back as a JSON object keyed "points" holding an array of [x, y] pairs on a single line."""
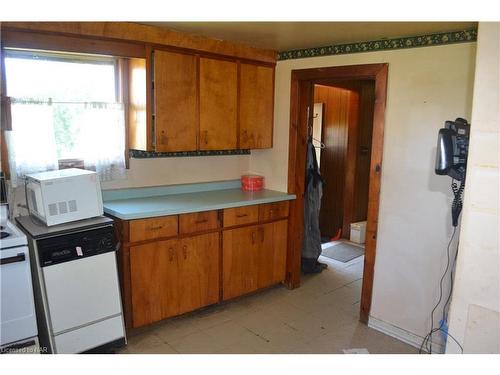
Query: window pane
{"points": [[59, 80], [71, 82]]}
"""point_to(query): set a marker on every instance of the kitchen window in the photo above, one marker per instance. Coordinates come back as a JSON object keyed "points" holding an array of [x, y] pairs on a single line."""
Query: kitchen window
{"points": [[66, 110]]}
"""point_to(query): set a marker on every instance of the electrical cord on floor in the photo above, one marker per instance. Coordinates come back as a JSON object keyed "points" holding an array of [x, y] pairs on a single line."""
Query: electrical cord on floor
{"points": [[427, 341]]}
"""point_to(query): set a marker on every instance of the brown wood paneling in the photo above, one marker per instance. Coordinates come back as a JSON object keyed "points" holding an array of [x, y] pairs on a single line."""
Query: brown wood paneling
{"points": [[176, 102], [256, 106], [152, 228], [273, 211], [218, 104], [334, 155], [198, 271], [145, 34], [198, 222], [358, 150], [240, 215]]}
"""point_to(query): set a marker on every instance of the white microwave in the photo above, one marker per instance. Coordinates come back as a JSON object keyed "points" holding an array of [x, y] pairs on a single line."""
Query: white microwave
{"points": [[61, 196]]}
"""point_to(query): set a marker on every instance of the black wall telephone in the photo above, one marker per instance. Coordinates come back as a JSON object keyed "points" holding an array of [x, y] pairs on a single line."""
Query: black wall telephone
{"points": [[451, 159]]}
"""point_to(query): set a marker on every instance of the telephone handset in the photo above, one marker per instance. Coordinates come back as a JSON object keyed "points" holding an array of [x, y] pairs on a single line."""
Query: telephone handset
{"points": [[451, 159], [452, 149]]}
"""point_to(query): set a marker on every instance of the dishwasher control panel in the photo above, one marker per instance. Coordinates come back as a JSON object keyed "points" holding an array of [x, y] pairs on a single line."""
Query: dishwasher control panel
{"points": [[73, 246]]}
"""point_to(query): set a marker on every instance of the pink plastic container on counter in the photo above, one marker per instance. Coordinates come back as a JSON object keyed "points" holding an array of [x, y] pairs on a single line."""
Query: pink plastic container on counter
{"points": [[252, 182]]}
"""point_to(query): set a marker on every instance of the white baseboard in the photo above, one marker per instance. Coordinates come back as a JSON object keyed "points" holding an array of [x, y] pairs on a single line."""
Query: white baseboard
{"points": [[402, 334]]}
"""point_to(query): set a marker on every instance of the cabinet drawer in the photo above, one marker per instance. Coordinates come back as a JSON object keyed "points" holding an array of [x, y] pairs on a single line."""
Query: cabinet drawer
{"points": [[273, 211], [198, 222], [156, 227], [241, 215]]}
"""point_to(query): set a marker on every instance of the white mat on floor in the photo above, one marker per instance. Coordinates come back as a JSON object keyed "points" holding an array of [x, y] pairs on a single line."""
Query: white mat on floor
{"points": [[342, 251]]}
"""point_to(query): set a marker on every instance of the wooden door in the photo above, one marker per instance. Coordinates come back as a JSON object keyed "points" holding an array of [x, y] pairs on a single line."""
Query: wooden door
{"points": [[176, 101], [199, 261], [218, 104], [256, 106], [272, 253], [240, 258], [154, 281]]}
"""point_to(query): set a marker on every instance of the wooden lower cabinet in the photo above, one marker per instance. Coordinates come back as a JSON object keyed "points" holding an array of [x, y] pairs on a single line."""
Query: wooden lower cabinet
{"points": [[198, 272], [174, 276], [254, 257], [172, 265]]}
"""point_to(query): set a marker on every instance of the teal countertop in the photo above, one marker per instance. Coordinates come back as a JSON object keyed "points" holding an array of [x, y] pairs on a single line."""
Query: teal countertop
{"points": [[139, 203]]}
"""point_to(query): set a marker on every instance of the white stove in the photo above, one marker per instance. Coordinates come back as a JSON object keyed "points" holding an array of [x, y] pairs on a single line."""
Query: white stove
{"points": [[11, 236], [18, 327]]}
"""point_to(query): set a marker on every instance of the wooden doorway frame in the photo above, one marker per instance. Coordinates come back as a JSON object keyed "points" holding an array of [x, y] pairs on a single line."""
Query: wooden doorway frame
{"points": [[302, 86]]}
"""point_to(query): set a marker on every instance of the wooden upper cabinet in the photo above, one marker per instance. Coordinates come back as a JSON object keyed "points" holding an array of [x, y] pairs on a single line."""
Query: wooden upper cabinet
{"points": [[176, 101], [256, 106], [218, 104]]}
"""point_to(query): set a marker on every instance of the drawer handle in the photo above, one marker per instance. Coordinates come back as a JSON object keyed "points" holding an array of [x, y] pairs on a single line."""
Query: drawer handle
{"points": [[170, 254], [201, 221], [261, 232], [184, 251], [241, 215], [253, 238], [156, 228], [13, 259]]}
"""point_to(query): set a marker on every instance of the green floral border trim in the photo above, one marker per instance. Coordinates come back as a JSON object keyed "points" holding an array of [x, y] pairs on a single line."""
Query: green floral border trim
{"points": [[138, 154], [383, 45]]}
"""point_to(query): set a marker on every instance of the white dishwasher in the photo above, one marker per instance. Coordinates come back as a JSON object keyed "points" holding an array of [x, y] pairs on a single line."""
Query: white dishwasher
{"points": [[76, 284]]}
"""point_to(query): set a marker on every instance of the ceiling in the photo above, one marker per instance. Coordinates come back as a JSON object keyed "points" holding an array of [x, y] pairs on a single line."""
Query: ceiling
{"points": [[283, 36]]}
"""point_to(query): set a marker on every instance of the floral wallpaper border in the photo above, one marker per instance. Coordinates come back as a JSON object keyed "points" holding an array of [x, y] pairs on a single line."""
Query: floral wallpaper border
{"points": [[138, 154], [462, 36]]}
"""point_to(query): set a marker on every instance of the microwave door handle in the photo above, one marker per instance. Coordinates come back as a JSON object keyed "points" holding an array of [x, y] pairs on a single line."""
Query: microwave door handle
{"points": [[16, 258]]}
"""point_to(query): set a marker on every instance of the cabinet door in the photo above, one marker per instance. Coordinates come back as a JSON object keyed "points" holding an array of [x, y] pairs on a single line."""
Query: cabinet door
{"points": [[199, 261], [272, 253], [176, 101], [218, 104], [154, 281], [256, 106], [240, 257]]}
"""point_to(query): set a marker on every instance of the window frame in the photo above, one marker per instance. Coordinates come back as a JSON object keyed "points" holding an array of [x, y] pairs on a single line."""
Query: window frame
{"points": [[120, 65], [55, 41]]}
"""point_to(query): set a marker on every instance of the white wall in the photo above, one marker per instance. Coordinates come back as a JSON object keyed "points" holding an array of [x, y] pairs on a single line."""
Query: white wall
{"points": [[426, 86], [475, 309], [181, 170]]}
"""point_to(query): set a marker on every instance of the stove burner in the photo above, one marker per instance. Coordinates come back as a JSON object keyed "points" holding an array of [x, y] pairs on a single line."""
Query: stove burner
{"points": [[2, 227], [4, 234]]}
